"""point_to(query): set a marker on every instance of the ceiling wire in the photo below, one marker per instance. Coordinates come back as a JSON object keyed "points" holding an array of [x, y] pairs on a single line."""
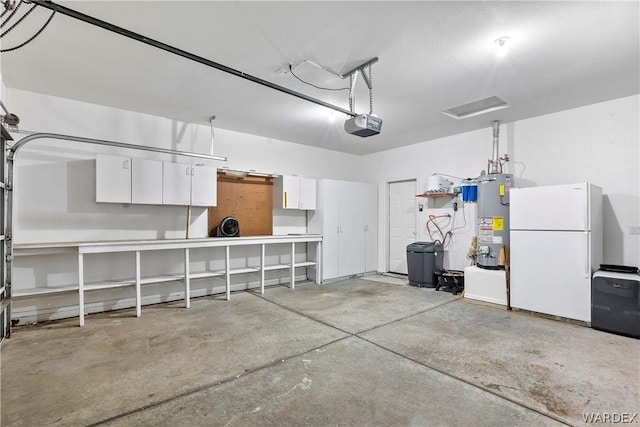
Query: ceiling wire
{"points": [[15, 9], [313, 85], [7, 8], [11, 49], [18, 21]]}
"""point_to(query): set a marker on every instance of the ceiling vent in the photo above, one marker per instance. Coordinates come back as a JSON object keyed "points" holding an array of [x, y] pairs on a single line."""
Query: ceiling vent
{"points": [[486, 105]]}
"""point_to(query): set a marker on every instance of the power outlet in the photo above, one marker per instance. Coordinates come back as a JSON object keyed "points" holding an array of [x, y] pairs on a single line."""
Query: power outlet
{"points": [[634, 230]]}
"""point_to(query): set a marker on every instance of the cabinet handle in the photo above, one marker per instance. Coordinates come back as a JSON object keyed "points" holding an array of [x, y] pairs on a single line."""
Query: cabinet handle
{"points": [[125, 164], [186, 171]]}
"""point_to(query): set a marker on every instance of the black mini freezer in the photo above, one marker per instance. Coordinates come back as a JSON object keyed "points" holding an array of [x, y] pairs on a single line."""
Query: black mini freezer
{"points": [[615, 302]]}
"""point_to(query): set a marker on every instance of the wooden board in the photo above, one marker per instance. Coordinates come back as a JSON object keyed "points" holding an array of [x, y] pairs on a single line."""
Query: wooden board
{"points": [[249, 200]]}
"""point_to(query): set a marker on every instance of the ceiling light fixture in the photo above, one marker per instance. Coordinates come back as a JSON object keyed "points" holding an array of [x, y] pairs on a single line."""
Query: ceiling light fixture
{"points": [[502, 46]]}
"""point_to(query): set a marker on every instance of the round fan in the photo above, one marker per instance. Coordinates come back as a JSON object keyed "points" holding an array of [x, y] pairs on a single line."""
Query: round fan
{"points": [[228, 227]]}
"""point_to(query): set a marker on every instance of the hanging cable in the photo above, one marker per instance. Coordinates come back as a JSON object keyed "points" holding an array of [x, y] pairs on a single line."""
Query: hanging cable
{"points": [[8, 5], [464, 217], [32, 37], [311, 84], [15, 9], [18, 21], [432, 220]]}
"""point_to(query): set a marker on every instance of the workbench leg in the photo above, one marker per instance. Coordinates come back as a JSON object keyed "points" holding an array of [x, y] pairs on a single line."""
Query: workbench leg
{"points": [[81, 288], [319, 263], [262, 253], [292, 271], [138, 296], [187, 280], [227, 266]]}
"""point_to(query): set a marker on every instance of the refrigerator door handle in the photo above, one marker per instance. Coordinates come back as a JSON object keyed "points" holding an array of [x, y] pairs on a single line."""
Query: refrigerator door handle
{"points": [[587, 257]]}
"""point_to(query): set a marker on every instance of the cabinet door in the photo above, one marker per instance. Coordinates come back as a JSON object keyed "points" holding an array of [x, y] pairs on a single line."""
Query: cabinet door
{"points": [[286, 192], [176, 183], [352, 229], [371, 226], [146, 181], [113, 179], [290, 192], [307, 193], [204, 186], [329, 210]]}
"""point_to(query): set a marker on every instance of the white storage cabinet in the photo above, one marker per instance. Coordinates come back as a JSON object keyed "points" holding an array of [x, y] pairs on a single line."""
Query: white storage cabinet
{"points": [[294, 192], [113, 179], [128, 180], [184, 184], [346, 215], [141, 181], [146, 181]]}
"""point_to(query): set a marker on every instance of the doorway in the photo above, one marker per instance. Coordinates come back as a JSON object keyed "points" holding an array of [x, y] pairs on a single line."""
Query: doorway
{"points": [[402, 223]]}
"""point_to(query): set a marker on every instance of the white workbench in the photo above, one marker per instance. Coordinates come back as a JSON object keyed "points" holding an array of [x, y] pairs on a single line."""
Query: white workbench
{"points": [[138, 246]]}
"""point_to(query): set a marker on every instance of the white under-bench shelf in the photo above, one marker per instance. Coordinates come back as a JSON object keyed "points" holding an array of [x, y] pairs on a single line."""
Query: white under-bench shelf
{"points": [[186, 245]]}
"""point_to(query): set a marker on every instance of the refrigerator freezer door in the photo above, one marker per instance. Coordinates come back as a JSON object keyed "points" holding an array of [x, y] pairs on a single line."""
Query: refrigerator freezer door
{"points": [[557, 207], [551, 273]]}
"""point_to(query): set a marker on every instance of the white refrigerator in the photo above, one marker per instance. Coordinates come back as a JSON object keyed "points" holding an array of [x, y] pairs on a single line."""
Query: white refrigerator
{"points": [[556, 245]]}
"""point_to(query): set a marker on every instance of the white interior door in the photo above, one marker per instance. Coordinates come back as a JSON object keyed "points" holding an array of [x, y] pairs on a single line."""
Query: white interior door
{"points": [[402, 223]]}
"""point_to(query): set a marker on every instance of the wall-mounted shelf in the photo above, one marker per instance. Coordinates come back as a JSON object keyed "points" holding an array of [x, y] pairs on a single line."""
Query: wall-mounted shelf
{"points": [[429, 195]]}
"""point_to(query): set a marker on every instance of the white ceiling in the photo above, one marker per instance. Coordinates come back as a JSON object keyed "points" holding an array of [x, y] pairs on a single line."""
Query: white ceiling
{"points": [[432, 56]]}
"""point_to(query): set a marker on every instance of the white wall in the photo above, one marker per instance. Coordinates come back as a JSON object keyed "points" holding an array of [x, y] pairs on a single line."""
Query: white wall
{"points": [[597, 143], [55, 180]]}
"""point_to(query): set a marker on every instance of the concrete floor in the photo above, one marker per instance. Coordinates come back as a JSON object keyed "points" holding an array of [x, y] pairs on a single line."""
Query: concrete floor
{"points": [[356, 352]]}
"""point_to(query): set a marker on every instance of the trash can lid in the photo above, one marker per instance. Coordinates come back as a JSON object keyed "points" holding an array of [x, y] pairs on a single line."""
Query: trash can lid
{"points": [[424, 247]]}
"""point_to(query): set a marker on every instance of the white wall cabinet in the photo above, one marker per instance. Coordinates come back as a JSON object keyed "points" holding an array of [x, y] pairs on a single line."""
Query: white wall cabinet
{"points": [[204, 186], [294, 192], [184, 184], [113, 179], [346, 215], [146, 181], [142, 181], [176, 184]]}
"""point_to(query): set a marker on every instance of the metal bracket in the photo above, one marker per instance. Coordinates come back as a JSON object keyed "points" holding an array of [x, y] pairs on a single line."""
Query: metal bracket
{"points": [[359, 67]]}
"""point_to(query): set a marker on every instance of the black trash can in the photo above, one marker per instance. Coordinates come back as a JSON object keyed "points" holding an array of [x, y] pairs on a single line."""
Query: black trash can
{"points": [[424, 259]]}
